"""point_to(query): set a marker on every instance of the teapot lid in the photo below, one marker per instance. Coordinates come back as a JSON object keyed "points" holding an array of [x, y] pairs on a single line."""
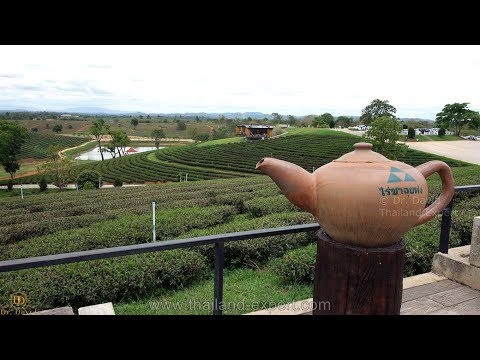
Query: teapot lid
{"points": [[362, 154]]}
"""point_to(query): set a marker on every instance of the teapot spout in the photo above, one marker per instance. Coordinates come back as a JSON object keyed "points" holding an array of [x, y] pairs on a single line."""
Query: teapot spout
{"points": [[296, 183]]}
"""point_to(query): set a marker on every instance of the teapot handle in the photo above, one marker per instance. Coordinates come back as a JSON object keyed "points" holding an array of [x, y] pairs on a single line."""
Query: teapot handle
{"points": [[448, 188]]}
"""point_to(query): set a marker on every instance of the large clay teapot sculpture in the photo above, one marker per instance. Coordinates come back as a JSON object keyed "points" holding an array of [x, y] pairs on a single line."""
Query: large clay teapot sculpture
{"points": [[363, 198]]}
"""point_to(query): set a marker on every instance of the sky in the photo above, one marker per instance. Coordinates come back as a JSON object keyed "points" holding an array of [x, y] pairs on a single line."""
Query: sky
{"points": [[298, 80]]}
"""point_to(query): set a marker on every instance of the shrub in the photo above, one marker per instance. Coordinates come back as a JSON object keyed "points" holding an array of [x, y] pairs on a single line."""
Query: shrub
{"points": [[88, 186], [91, 176], [34, 129], [57, 128], [118, 183], [42, 183], [296, 266], [441, 132], [411, 133], [100, 281], [181, 125]]}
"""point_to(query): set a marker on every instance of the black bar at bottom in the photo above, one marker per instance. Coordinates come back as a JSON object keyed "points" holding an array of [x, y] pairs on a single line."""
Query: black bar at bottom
{"points": [[445, 228], [218, 284]]}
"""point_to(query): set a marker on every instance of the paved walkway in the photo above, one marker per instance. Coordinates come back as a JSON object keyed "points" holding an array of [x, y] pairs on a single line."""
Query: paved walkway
{"points": [[443, 297], [424, 294]]}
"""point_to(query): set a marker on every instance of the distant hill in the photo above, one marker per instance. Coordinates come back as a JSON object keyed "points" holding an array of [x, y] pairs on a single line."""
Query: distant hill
{"points": [[416, 119], [93, 110]]}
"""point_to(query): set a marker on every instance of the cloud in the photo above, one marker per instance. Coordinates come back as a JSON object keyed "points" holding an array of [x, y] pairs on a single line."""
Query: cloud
{"points": [[99, 66], [10, 76], [29, 87]]}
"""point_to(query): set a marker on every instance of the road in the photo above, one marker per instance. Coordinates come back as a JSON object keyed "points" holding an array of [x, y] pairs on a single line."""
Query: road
{"points": [[465, 150]]}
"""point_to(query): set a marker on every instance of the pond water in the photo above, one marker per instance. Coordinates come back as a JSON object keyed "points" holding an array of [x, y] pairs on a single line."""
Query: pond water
{"points": [[95, 153]]}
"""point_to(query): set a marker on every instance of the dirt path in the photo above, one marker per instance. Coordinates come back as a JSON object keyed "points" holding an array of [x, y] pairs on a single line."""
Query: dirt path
{"points": [[464, 150]]}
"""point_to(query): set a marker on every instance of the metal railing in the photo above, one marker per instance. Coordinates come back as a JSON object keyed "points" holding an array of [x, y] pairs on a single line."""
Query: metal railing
{"points": [[217, 240], [447, 218]]}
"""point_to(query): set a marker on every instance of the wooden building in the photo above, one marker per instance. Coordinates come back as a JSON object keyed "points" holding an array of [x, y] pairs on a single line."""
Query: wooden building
{"points": [[255, 131]]}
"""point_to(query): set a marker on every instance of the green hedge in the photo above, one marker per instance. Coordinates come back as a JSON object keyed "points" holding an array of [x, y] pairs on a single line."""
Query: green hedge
{"points": [[126, 230], [252, 253], [261, 206], [296, 266], [100, 281]]}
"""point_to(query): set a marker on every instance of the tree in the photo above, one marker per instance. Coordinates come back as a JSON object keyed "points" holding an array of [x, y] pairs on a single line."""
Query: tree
{"points": [[89, 176], [12, 138], [318, 122], [277, 118], [441, 132], [134, 122], [99, 129], [42, 184], [57, 128], [376, 109], [292, 120], [192, 133], [58, 169], [328, 119], [118, 143], [344, 121], [457, 115], [201, 137], [181, 125], [411, 133], [158, 134], [384, 133]]}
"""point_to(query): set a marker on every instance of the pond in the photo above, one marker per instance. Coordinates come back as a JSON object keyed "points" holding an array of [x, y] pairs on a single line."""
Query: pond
{"points": [[95, 153]]}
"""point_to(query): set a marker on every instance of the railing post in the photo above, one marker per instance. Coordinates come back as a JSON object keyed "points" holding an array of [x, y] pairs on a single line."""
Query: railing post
{"points": [[445, 228], [218, 282]]}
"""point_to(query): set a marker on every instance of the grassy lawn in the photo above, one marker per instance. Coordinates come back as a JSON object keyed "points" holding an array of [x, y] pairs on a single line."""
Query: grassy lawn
{"points": [[222, 141], [245, 290], [24, 168], [72, 153], [314, 131]]}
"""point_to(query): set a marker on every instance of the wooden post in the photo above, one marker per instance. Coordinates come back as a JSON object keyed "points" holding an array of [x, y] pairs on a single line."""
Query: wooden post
{"points": [[357, 280]]}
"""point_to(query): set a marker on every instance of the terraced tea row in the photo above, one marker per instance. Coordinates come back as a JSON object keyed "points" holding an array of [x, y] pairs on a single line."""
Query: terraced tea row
{"points": [[232, 160], [36, 146]]}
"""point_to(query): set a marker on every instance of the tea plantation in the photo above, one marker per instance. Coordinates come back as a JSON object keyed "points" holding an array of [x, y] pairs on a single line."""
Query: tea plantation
{"points": [[72, 221], [36, 146], [233, 159], [233, 197]]}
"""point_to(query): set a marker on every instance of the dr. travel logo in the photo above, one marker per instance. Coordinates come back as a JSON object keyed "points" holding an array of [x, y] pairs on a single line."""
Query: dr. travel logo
{"points": [[18, 305]]}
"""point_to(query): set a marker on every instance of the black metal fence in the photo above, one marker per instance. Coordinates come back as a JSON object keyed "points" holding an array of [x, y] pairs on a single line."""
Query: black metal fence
{"points": [[447, 218], [217, 240]]}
